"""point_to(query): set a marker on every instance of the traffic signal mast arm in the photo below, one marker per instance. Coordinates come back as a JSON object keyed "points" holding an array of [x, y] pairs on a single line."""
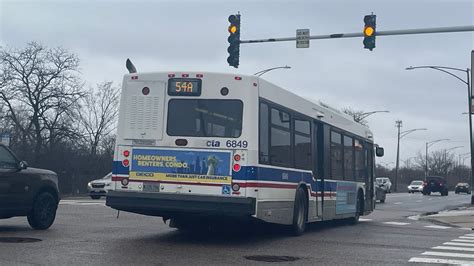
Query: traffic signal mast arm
{"points": [[378, 33]]}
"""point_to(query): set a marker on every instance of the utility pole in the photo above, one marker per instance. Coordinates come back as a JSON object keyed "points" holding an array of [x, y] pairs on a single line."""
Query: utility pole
{"points": [[398, 125]]}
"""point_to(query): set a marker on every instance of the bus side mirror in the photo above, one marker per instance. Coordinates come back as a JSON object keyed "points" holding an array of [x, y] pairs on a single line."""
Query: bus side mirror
{"points": [[379, 151]]}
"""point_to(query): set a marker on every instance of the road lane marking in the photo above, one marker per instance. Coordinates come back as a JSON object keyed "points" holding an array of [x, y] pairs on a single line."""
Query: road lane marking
{"points": [[454, 248], [463, 240], [396, 223], [397, 203], [441, 261], [448, 254], [82, 203], [437, 226], [459, 244], [364, 220]]}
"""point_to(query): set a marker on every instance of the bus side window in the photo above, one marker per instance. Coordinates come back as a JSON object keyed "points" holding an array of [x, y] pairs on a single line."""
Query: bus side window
{"points": [[280, 138], [359, 160], [263, 134], [336, 156], [302, 140], [348, 158]]}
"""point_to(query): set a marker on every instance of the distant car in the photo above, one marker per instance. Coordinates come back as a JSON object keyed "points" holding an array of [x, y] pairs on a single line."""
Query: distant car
{"points": [[99, 187], [380, 193], [434, 184], [385, 183], [27, 191], [415, 186], [462, 187]]}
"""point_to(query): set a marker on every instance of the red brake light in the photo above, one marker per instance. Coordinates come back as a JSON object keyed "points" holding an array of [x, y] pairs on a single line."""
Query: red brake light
{"points": [[126, 162], [236, 167], [126, 153], [238, 78]]}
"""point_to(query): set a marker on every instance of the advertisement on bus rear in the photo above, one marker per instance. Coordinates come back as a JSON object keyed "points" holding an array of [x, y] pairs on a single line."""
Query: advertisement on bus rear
{"points": [[181, 166]]}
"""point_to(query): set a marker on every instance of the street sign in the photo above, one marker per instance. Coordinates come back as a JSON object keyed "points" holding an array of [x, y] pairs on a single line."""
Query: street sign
{"points": [[302, 38]]}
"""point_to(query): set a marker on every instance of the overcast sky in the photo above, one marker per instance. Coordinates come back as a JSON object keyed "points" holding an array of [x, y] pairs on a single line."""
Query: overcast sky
{"points": [[192, 35]]}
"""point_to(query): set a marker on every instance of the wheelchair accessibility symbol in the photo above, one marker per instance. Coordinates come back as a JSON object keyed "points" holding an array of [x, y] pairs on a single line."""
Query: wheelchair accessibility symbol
{"points": [[226, 190]]}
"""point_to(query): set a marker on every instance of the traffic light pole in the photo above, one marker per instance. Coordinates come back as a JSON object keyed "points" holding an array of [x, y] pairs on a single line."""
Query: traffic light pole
{"points": [[378, 33]]}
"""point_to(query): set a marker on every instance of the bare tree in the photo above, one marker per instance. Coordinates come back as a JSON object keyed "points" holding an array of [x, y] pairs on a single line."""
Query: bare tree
{"points": [[99, 114], [357, 115], [43, 83], [439, 162]]}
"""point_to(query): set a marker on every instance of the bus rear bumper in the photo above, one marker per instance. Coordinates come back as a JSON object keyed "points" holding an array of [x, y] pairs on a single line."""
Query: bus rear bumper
{"points": [[169, 205]]}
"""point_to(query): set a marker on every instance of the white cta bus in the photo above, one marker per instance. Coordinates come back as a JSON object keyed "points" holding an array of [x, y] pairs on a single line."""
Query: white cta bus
{"points": [[196, 144]]}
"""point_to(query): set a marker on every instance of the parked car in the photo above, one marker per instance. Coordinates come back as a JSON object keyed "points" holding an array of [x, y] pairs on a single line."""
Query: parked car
{"points": [[434, 184], [385, 183], [27, 191], [415, 186], [462, 187], [99, 187], [380, 192]]}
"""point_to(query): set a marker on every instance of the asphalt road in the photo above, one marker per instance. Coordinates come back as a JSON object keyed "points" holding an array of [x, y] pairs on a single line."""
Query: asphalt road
{"points": [[87, 232]]}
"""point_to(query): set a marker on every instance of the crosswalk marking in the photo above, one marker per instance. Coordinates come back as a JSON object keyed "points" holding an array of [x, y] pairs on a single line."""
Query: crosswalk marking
{"points": [[463, 240], [396, 223], [454, 248], [455, 251], [82, 203], [448, 254], [441, 261], [459, 244], [438, 226], [467, 237]]}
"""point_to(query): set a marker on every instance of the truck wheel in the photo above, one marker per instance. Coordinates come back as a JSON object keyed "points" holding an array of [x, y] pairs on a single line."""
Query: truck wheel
{"points": [[42, 215], [300, 213]]}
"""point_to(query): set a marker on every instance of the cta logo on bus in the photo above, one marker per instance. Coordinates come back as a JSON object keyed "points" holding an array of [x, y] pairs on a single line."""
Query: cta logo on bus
{"points": [[213, 143]]}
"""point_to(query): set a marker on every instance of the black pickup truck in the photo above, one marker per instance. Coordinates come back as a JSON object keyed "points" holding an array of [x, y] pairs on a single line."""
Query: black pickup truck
{"points": [[27, 191]]}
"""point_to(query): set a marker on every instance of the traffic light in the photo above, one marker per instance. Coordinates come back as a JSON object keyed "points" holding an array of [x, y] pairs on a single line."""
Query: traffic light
{"points": [[234, 41], [369, 32]]}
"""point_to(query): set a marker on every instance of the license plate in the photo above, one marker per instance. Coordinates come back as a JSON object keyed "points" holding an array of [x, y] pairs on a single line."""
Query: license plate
{"points": [[151, 187]]}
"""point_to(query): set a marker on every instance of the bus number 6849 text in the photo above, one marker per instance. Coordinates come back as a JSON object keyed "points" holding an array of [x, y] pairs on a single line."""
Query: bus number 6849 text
{"points": [[236, 144]]}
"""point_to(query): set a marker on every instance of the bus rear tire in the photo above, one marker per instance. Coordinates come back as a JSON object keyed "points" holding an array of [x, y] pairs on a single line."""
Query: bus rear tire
{"points": [[359, 208], [300, 213]]}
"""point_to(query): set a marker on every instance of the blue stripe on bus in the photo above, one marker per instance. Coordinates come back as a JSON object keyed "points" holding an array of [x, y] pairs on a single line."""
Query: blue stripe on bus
{"points": [[119, 169], [254, 173]]}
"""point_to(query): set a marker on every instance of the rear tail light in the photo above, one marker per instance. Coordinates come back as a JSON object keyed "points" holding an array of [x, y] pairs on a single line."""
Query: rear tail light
{"points": [[236, 167], [126, 153], [237, 157], [126, 162]]}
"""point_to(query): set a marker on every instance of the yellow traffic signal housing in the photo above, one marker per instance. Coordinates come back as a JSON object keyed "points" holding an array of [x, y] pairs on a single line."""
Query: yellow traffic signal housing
{"points": [[234, 40], [369, 32]]}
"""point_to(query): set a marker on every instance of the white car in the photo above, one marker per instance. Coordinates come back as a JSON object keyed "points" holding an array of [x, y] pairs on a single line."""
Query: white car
{"points": [[99, 187], [385, 183], [415, 186]]}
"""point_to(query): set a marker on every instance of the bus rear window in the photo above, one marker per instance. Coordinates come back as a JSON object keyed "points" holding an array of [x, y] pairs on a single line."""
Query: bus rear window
{"points": [[205, 118]]}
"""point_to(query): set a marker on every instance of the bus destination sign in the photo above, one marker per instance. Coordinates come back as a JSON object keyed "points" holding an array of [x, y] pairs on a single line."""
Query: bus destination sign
{"points": [[184, 87]]}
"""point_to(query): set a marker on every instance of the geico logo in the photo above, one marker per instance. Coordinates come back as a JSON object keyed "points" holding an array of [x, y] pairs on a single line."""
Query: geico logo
{"points": [[176, 164]]}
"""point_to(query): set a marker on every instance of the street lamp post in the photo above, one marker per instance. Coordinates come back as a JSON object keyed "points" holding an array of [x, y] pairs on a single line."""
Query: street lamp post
{"points": [[402, 134], [429, 144], [259, 73], [469, 102]]}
